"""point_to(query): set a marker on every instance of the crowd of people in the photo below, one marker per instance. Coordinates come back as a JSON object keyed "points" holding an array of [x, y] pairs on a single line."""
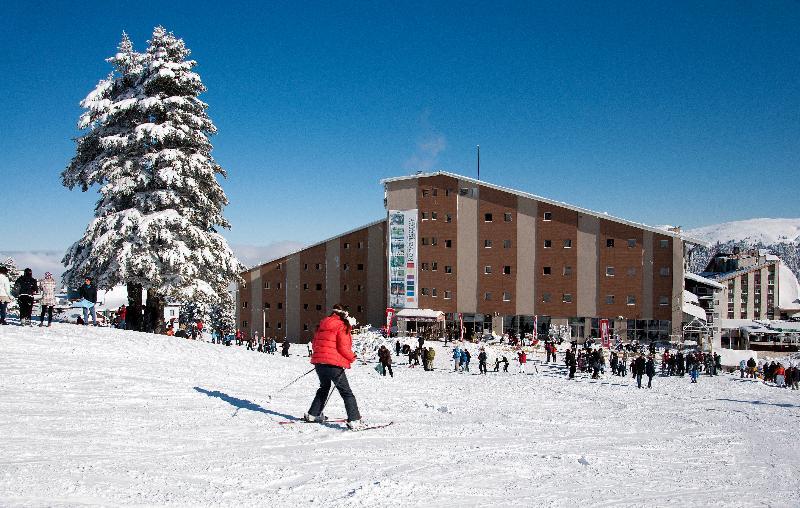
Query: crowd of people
{"points": [[27, 291]]}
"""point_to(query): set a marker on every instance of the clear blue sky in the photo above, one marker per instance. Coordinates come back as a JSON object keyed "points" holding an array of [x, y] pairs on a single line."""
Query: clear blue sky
{"points": [[662, 112]]}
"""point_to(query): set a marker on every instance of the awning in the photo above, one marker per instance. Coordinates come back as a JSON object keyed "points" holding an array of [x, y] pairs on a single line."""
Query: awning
{"points": [[425, 315]]}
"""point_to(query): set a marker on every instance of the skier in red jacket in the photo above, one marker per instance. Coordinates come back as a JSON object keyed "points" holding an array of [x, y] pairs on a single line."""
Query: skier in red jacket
{"points": [[333, 353]]}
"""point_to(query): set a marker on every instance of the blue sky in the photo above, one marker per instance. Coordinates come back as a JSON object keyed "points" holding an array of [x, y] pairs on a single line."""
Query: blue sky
{"points": [[657, 112]]}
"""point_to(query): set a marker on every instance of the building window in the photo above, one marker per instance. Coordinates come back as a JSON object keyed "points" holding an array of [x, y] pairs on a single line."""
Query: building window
{"points": [[345, 287], [358, 288], [360, 267], [423, 266], [487, 269], [610, 271], [434, 215], [448, 217], [609, 242], [360, 245], [266, 285], [434, 266], [447, 295], [546, 297], [448, 269], [305, 306], [345, 267], [664, 272], [567, 271], [548, 244], [507, 270], [662, 300], [448, 244], [631, 272], [278, 266], [244, 305], [566, 298], [319, 287], [279, 325], [506, 244], [424, 241], [423, 291], [244, 324], [280, 305], [631, 300], [266, 305], [346, 246], [435, 191], [631, 243], [548, 216], [424, 193], [487, 244], [567, 244], [305, 327], [266, 324], [609, 299], [546, 270], [424, 215], [305, 287], [434, 241], [318, 307], [487, 217], [434, 293], [506, 296], [506, 217], [487, 296], [279, 285], [664, 244]]}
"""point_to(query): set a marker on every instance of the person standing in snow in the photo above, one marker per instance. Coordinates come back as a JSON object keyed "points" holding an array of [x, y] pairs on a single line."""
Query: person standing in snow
{"points": [[522, 358], [25, 287], [431, 354], [5, 294], [397, 348], [650, 370], [48, 288], [88, 293], [285, 347], [638, 369], [456, 358], [385, 358], [464, 360], [571, 363], [333, 353], [482, 361], [693, 366]]}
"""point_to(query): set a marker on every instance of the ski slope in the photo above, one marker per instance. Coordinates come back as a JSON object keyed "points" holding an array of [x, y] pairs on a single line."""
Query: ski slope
{"points": [[93, 416]]}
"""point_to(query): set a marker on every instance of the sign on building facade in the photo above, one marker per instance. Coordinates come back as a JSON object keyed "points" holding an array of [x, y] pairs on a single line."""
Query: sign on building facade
{"points": [[403, 290]]}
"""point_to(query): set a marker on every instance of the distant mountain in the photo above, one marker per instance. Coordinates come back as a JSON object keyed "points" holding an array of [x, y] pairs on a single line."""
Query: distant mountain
{"points": [[780, 236]]}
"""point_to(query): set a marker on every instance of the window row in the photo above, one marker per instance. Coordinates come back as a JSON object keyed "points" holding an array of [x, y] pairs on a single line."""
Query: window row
{"points": [[317, 266], [434, 293], [488, 296], [435, 216], [268, 285], [488, 270], [488, 217], [278, 305], [346, 245]]}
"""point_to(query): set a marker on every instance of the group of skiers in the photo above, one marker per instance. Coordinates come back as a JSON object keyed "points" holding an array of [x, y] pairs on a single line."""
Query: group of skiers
{"points": [[27, 290]]}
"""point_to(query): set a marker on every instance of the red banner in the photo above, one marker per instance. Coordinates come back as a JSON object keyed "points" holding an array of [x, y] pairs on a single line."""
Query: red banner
{"points": [[461, 324], [605, 336], [389, 316]]}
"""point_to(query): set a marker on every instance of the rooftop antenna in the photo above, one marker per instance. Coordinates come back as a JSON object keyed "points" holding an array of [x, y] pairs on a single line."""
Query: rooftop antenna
{"points": [[479, 162]]}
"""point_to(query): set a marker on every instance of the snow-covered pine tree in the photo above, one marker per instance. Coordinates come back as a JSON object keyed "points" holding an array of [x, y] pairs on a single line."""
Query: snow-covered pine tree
{"points": [[13, 272], [147, 147], [221, 316]]}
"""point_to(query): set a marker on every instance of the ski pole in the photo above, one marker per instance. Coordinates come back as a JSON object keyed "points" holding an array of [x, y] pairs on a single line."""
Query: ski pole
{"points": [[333, 387], [290, 384]]}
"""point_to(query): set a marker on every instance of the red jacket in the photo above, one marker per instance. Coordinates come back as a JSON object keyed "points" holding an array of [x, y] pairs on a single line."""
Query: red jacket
{"points": [[523, 358], [332, 344]]}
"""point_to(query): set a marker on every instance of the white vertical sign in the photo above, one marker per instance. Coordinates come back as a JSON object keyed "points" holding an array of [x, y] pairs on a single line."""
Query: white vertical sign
{"points": [[403, 281]]}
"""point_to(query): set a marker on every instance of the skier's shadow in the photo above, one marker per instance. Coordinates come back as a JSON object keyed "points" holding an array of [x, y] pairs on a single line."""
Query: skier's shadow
{"points": [[242, 403]]}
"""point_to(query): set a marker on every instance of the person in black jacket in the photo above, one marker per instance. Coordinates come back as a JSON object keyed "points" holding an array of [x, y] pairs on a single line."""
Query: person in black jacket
{"points": [[638, 369], [482, 361], [25, 287], [650, 370], [89, 293]]}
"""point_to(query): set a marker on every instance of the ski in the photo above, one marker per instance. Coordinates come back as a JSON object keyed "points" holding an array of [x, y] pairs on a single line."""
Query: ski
{"points": [[371, 427], [300, 420]]}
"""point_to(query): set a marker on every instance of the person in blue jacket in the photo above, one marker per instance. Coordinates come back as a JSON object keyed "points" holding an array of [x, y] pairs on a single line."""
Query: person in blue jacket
{"points": [[456, 358]]}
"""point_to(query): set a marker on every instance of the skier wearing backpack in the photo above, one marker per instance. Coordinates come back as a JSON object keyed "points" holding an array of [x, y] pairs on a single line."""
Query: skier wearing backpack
{"points": [[333, 353], [24, 288]]}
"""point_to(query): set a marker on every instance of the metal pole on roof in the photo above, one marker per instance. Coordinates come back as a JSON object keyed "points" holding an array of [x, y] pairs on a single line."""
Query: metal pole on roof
{"points": [[479, 162]]}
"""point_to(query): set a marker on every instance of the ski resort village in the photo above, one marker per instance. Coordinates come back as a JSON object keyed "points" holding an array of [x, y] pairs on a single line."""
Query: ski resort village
{"points": [[434, 255]]}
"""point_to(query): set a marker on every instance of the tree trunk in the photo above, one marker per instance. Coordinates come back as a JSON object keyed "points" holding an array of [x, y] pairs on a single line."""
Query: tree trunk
{"points": [[134, 315]]}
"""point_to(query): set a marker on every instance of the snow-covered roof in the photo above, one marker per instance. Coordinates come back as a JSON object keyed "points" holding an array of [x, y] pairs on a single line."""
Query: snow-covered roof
{"points": [[421, 314], [722, 276], [788, 289], [690, 297], [703, 280], [694, 311], [760, 326], [574, 208]]}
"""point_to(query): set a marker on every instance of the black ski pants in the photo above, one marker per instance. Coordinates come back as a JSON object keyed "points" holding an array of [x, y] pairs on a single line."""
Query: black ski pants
{"points": [[49, 310], [387, 367], [331, 374], [25, 306]]}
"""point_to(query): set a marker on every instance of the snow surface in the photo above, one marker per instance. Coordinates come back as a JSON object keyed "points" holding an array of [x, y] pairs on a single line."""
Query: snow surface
{"points": [[95, 416], [765, 231]]}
